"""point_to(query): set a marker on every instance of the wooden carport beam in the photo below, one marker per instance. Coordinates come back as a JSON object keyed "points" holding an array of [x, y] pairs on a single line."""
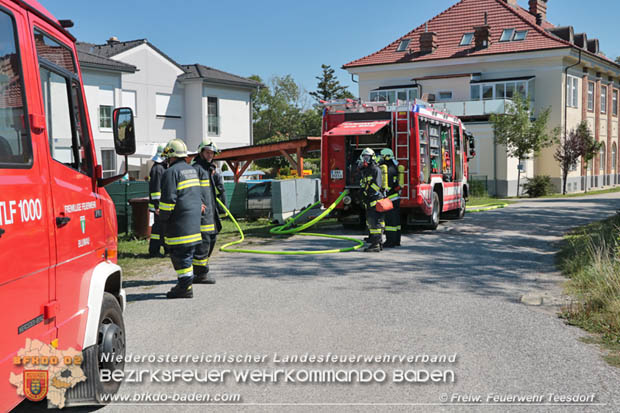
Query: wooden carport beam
{"points": [[289, 159], [300, 164], [234, 167]]}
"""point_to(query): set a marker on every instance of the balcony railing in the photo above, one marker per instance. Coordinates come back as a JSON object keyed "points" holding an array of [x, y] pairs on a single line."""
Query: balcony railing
{"points": [[474, 107]]}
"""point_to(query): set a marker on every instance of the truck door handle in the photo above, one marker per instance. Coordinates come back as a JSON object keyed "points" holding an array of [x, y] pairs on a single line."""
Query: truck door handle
{"points": [[2, 232], [62, 221]]}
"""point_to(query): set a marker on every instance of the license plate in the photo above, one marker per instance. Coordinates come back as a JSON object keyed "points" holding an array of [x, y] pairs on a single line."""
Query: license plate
{"points": [[336, 174]]}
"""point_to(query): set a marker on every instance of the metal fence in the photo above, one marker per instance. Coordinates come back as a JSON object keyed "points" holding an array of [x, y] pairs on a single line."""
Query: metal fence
{"points": [[121, 192]]}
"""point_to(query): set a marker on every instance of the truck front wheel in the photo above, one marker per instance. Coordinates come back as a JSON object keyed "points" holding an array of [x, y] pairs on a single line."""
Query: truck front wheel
{"points": [[111, 341]]}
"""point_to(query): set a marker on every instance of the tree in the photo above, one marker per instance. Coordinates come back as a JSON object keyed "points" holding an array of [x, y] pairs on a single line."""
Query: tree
{"points": [[282, 111], [589, 147], [570, 149], [329, 86], [618, 59], [522, 135]]}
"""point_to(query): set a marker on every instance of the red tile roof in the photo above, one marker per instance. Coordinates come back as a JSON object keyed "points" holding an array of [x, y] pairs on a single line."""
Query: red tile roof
{"points": [[451, 24]]}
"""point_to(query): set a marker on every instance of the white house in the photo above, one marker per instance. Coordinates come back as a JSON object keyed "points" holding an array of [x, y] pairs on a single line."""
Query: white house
{"points": [[169, 100]]}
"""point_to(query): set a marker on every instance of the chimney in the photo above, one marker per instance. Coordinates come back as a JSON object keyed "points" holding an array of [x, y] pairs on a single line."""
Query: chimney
{"points": [[539, 7], [428, 41], [482, 34], [511, 3]]}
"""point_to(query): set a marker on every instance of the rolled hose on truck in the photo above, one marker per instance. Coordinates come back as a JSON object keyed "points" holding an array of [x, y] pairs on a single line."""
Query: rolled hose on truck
{"points": [[284, 229]]}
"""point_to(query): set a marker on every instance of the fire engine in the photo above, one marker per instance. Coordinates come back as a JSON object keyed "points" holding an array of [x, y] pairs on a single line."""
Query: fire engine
{"points": [[60, 283], [431, 148]]}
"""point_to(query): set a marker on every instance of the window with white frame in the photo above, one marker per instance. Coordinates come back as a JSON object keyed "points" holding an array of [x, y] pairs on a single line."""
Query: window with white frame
{"points": [[572, 91], [106, 105], [392, 95], [108, 162], [603, 99], [506, 35], [128, 99], [105, 117], [466, 39], [445, 95], [591, 96], [502, 90], [601, 159], [213, 116], [402, 46], [614, 103], [168, 105], [614, 153]]}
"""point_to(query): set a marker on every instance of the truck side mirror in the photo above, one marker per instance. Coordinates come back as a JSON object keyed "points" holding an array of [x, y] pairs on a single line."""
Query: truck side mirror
{"points": [[124, 132], [124, 142]]}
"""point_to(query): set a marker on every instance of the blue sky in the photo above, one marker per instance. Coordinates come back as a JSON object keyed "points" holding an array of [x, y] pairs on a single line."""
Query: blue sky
{"points": [[275, 37]]}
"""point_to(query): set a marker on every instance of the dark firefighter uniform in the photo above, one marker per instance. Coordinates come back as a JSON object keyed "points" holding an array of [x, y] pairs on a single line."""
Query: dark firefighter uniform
{"points": [[211, 186], [392, 217], [179, 212], [156, 241], [370, 185]]}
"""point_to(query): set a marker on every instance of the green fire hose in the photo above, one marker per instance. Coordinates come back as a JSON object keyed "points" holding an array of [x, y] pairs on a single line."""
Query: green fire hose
{"points": [[284, 229]]}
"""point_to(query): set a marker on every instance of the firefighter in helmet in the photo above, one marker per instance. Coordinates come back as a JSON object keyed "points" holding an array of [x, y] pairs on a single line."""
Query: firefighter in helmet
{"points": [[370, 185], [179, 213], [157, 172], [391, 186], [211, 187]]}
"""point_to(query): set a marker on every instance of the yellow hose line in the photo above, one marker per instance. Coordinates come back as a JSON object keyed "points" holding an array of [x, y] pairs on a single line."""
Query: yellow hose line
{"points": [[282, 229], [487, 207]]}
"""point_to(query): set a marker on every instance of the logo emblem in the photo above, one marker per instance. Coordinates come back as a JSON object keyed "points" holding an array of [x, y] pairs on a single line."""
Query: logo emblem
{"points": [[35, 384], [83, 224]]}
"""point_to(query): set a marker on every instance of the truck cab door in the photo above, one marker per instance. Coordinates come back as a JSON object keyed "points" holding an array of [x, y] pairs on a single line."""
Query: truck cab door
{"points": [[76, 207], [25, 207]]}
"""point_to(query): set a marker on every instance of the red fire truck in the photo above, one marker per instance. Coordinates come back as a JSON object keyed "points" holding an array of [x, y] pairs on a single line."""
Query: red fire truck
{"points": [[432, 147], [59, 280]]}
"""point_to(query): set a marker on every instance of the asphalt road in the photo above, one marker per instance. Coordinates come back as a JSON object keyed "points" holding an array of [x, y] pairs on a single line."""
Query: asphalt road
{"points": [[455, 291]]}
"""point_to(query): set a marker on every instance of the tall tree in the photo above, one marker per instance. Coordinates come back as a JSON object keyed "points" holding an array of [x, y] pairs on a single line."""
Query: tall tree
{"points": [[329, 86], [571, 148], [522, 135], [618, 59]]}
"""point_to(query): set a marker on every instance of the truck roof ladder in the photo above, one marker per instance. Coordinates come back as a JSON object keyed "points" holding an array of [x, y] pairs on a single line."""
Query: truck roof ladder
{"points": [[402, 121]]}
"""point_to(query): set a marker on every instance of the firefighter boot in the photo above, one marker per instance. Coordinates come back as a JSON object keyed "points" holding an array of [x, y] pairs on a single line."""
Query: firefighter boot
{"points": [[204, 279], [373, 248], [179, 291]]}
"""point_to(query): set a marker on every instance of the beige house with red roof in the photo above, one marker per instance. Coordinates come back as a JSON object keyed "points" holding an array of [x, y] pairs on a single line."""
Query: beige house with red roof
{"points": [[471, 59]]}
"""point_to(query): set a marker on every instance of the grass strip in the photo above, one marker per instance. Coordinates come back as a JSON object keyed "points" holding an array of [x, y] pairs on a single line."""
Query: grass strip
{"points": [[590, 257]]}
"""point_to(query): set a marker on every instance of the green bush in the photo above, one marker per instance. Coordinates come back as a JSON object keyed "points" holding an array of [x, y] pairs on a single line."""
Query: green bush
{"points": [[540, 185], [478, 188]]}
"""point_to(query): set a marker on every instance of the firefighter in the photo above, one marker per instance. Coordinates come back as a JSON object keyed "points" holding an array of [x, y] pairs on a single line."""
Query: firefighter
{"points": [[391, 186], [370, 185], [157, 171], [179, 213], [211, 186]]}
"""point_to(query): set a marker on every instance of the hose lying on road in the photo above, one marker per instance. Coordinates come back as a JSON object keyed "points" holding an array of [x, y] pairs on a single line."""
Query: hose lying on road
{"points": [[487, 207], [284, 229]]}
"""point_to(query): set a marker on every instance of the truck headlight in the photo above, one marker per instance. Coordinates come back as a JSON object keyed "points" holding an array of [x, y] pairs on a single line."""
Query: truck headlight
{"points": [[346, 200]]}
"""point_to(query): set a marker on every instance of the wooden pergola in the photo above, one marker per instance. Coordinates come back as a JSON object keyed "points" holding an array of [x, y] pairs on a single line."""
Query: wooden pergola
{"points": [[239, 159]]}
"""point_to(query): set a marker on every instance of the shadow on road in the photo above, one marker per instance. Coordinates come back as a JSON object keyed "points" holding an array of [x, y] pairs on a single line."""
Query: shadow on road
{"points": [[500, 253]]}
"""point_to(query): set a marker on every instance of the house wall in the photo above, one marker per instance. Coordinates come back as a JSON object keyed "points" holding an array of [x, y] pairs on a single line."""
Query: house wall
{"points": [[94, 81], [234, 111]]}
